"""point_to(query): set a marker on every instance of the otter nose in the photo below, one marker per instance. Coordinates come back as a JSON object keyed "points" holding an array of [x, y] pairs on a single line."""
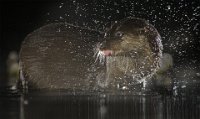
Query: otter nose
{"points": [[104, 47]]}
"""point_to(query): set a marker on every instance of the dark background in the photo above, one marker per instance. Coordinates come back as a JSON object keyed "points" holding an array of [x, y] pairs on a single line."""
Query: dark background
{"points": [[17, 19], [176, 20]]}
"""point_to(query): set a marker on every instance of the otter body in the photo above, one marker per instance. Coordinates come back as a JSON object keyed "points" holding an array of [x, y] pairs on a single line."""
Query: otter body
{"points": [[60, 56]]}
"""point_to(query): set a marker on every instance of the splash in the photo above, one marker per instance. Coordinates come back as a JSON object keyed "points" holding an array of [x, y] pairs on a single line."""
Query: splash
{"points": [[99, 55]]}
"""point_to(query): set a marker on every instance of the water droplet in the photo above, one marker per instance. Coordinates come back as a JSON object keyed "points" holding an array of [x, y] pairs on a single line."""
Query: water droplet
{"points": [[124, 88], [168, 7]]}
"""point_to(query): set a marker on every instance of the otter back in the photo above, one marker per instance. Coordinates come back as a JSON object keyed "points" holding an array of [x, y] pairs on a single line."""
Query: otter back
{"points": [[58, 56]]}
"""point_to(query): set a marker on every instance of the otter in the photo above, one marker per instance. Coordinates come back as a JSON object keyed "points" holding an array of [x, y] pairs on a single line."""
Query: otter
{"points": [[132, 50], [62, 56]]}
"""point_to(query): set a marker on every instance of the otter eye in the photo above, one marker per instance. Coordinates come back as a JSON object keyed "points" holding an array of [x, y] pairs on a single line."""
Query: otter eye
{"points": [[119, 34]]}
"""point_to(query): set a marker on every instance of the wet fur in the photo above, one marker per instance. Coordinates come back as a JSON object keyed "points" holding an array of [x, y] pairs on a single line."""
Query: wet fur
{"points": [[136, 54], [59, 56]]}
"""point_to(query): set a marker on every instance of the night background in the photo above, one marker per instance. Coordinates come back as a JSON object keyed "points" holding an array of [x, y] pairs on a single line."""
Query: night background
{"points": [[176, 20]]}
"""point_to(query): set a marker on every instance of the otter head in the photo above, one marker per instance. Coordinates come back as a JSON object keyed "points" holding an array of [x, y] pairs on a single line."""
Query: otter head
{"points": [[131, 34], [133, 38]]}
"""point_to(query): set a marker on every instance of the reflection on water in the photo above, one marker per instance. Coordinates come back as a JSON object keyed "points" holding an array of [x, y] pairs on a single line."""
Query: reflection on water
{"points": [[60, 105]]}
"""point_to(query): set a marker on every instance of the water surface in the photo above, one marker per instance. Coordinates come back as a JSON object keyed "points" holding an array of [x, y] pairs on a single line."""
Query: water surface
{"points": [[67, 105]]}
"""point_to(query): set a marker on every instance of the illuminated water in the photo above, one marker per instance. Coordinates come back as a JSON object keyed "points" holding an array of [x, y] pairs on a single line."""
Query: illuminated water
{"points": [[62, 105]]}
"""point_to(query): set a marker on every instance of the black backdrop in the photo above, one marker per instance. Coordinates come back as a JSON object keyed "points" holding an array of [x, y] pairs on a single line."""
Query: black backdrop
{"points": [[176, 20]]}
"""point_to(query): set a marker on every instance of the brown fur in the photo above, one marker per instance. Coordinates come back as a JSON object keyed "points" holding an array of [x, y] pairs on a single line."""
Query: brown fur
{"points": [[135, 54], [60, 56]]}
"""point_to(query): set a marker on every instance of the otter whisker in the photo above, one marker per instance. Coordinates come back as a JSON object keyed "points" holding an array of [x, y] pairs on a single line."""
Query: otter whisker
{"points": [[99, 56]]}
